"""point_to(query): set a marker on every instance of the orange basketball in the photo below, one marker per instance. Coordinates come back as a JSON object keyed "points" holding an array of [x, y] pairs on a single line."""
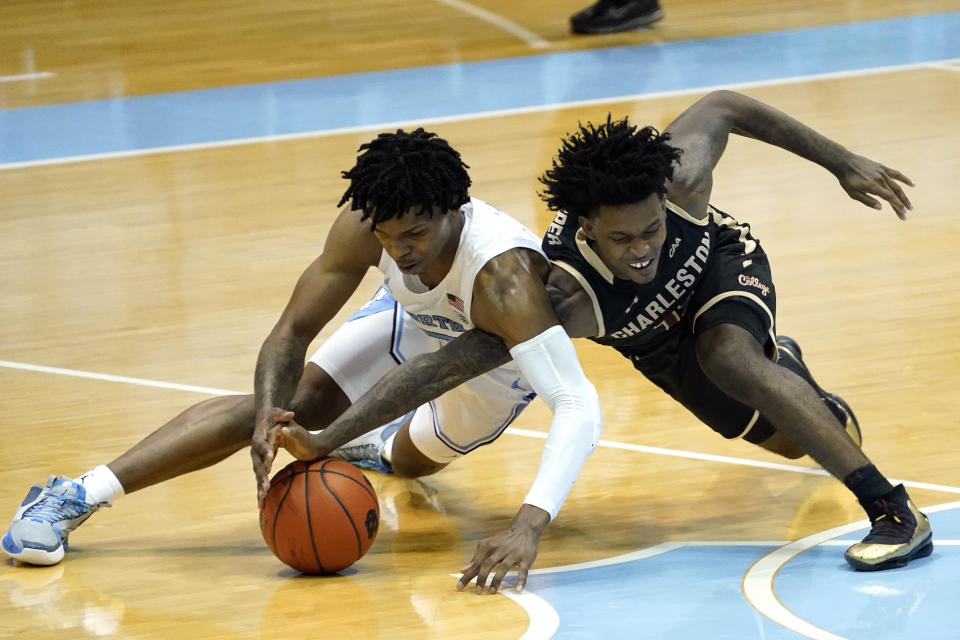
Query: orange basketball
{"points": [[320, 516]]}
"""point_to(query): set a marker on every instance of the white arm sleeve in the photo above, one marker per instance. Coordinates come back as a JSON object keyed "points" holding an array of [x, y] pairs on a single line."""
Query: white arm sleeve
{"points": [[549, 363]]}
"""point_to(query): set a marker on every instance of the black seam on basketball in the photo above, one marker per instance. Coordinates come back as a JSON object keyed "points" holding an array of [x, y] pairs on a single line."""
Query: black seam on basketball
{"points": [[348, 477], [345, 511], [276, 513], [313, 542]]}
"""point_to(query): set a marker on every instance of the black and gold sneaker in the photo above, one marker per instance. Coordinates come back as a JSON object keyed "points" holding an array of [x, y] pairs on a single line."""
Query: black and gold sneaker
{"points": [[790, 357], [899, 533]]}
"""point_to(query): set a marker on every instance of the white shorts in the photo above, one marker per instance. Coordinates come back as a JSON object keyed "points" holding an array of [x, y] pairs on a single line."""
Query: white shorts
{"points": [[381, 336]]}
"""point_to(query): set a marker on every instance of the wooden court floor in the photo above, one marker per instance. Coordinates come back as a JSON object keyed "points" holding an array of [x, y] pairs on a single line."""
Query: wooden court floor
{"points": [[172, 268]]}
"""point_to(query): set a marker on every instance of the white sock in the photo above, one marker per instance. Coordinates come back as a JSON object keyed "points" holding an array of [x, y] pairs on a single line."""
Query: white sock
{"points": [[101, 485], [387, 452]]}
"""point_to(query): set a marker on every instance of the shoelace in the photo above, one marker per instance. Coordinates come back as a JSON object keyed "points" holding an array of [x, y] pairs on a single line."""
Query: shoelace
{"points": [[888, 523], [52, 507]]}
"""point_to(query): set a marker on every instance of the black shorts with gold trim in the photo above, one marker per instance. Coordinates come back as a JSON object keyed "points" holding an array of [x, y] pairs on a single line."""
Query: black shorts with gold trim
{"points": [[736, 288]]}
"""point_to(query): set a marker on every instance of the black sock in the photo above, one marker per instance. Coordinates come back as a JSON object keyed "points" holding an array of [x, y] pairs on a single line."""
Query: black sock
{"points": [[867, 484]]}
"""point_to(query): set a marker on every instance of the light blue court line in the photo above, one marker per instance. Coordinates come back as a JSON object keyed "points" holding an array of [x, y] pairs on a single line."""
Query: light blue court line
{"points": [[267, 111]]}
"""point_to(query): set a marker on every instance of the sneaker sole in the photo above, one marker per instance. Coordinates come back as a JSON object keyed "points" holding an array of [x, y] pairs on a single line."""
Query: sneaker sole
{"points": [[922, 551], [31, 556], [636, 23]]}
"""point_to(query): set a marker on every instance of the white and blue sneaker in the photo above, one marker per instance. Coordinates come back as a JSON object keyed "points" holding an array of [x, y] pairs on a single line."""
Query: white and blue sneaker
{"points": [[366, 451], [39, 530]]}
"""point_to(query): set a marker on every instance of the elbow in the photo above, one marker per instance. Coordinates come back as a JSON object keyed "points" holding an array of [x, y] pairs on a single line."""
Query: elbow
{"points": [[582, 406], [722, 98]]}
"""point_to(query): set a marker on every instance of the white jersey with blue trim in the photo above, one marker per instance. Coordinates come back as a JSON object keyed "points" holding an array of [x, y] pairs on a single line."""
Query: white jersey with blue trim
{"points": [[443, 312]]}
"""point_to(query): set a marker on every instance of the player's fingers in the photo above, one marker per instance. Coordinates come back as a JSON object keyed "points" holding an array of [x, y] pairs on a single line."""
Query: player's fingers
{"points": [[893, 173], [522, 578], [894, 202], [860, 196], [485, 569], [501, 573], [468, 574], [898, 192]]}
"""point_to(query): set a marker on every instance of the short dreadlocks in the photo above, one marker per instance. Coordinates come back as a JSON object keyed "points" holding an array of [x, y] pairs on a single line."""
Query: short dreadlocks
{"points": [[608, 165], [398, 171]]}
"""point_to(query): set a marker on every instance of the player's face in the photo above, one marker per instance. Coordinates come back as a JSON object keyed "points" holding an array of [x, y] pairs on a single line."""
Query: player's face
{"points": [[628, 237], [422, 244]]}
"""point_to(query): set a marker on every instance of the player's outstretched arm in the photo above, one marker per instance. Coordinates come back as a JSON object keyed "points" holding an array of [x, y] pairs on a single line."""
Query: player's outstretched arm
{"points": [[401, 390], [703, 129], [430, 375], [510, 300], [320, 292]]}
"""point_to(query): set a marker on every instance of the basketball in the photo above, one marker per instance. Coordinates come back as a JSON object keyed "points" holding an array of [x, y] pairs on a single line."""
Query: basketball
{"points": [[320, 516]]}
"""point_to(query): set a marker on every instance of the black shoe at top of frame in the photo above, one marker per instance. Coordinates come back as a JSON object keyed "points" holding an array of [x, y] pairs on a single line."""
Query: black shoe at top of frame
{"points": [[609, 16], [792, 358], [899, 533]]}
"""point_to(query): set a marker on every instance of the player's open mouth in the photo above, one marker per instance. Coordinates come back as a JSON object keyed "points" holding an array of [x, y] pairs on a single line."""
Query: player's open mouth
{"points": [[643, 264]]}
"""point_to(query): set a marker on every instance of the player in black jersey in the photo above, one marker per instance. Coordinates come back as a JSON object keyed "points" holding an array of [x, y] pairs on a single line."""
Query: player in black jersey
{"points": [[643, 263]]}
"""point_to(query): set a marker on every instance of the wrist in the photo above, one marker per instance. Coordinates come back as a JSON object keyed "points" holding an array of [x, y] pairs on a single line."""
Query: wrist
{"points": [[530, 519]]}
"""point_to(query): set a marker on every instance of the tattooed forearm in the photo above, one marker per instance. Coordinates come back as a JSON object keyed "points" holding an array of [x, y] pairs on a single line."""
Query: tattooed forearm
{"points": [[279, 368], [416, 382]]}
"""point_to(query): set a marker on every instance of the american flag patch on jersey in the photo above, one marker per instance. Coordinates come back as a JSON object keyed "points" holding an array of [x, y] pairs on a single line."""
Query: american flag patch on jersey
{"points": [[455, 302]]}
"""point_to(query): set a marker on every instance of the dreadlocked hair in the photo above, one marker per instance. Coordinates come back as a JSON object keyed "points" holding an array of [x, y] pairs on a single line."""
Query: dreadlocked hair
{"points": [[608, 165], [398, 171]]}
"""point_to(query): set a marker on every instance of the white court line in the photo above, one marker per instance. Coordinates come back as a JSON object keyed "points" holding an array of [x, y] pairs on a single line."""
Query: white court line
{"points": [[143, 382], [544, 619], [39, 75], [527, 433], [532, 39], [693, 455], [757, 583], [498, 113], [944, 66]]}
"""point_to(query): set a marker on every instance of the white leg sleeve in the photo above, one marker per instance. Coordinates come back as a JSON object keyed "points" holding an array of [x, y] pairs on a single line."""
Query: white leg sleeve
{"points": [[549, 363]]}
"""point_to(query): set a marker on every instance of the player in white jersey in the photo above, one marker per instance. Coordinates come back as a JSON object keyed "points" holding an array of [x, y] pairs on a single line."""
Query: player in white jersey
{"points": [[456, 264], [406, 318]]}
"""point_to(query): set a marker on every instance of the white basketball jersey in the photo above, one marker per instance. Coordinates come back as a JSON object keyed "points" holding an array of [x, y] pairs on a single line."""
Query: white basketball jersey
{"points": [[444, 311]]}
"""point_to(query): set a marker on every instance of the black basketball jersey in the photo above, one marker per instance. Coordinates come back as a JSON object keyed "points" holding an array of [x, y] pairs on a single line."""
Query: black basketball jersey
{"points": [[629, 314]]}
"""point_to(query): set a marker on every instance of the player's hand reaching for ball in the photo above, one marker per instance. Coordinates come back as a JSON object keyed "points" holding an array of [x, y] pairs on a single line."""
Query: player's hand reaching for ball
{"points": [[263, 447], [301, 444], [514, 548], [863, 178]]}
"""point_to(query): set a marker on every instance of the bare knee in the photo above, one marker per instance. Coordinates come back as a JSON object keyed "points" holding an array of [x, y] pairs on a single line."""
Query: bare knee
{"points": [[319, 400], [407, 461], [733, 360]]}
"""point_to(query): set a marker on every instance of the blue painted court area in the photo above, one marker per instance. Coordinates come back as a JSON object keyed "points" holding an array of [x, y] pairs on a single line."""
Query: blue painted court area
{"points": [[918, 601], [370, 99], [695, 592]]}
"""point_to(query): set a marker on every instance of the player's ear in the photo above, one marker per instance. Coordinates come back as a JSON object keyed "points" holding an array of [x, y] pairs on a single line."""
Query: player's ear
{"points": [[587, 225]]}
